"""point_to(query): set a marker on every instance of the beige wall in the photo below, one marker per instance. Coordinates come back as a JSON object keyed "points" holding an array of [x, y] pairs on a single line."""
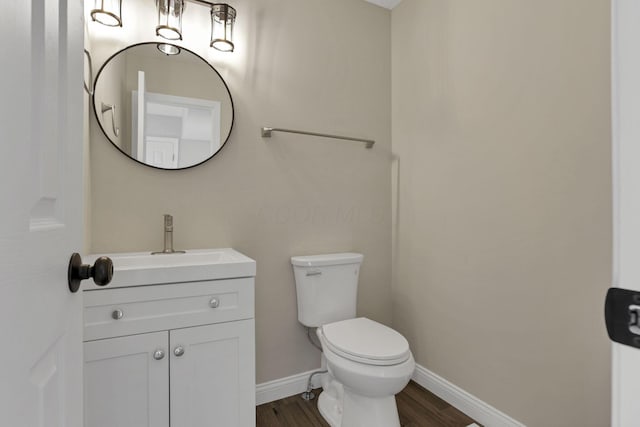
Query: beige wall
{"points": [[502, 191], [109, 92], [313, 65], [501, 125]]}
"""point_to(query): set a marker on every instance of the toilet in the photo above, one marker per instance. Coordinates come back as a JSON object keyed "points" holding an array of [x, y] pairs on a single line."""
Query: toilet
{"points": [[368, 363]]}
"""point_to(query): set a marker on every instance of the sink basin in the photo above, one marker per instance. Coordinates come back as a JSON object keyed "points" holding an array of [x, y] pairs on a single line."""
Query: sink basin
{"points": [[196, 257], [142, 268]]}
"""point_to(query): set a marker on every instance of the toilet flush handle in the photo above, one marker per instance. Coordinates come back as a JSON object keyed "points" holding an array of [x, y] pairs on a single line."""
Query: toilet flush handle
{"points": [[313, 273]]}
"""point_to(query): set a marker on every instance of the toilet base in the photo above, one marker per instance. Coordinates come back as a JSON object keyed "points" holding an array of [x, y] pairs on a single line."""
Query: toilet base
{"points": [[351, 410], [330, 409]]}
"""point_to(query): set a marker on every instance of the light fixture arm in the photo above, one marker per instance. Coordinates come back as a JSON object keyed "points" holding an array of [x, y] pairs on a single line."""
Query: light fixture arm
{"points": [[202, 2]]}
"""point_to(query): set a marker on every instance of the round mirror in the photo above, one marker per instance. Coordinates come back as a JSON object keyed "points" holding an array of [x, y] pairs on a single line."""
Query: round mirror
{"points": [[163, 105]]}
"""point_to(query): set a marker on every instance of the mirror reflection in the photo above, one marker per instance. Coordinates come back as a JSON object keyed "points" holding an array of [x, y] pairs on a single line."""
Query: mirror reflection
{"points": [[165, 111]]}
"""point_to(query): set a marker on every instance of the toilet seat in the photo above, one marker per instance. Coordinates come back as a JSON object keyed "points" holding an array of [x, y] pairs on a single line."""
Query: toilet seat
{"points": [[366, 341]]}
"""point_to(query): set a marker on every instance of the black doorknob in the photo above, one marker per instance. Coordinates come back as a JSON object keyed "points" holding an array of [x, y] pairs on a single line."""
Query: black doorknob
{"points": [[101, 271]]}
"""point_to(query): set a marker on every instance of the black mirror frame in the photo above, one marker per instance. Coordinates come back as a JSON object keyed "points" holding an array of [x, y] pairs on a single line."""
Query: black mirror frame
{"points": [[95, 111]]}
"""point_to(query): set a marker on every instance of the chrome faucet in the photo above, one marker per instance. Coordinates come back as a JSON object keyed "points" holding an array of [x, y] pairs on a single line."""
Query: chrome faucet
{"points": [[168, 237]]}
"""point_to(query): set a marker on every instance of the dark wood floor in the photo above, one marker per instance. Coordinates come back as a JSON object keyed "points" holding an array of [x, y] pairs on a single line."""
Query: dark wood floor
{"points": [[417, 407]]}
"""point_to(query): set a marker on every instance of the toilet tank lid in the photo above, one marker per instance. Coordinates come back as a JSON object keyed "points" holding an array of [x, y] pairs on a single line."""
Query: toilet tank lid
{"points": [[327, 259]]}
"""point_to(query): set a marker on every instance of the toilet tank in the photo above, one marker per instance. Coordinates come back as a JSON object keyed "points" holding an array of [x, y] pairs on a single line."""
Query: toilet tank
{"points": [[326, 287]]}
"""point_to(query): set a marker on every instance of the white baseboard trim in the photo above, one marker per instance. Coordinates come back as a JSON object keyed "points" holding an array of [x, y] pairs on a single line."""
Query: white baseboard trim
{"points": [[480, 411], [283, 387]]}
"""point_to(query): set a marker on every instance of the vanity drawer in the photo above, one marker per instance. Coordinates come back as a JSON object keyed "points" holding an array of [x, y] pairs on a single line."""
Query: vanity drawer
{"points": [[136, 310]]}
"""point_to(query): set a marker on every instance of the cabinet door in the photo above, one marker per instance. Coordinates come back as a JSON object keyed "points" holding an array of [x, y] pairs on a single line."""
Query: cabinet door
{"points": [[126, 384], [213, 375]]}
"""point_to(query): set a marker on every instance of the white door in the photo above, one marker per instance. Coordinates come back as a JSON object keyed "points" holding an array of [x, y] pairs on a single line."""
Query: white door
{"points": [[41, 116], [626, 153], [126, 381], [161, 152], [138, 119], [213, 375]]}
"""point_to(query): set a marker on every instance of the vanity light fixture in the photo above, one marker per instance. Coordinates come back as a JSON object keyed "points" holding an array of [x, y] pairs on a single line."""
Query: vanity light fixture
{"points": [[170, 19], [223, 18], [108, 12]]}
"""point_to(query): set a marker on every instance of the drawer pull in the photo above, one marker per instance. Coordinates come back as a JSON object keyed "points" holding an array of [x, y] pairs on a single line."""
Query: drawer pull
{"points": [[158, 354], [178, 351], [214, 303], [117, 314]]}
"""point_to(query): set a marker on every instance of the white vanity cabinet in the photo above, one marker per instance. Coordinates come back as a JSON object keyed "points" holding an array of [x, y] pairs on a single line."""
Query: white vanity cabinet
{"points": [[170, 355], [210, 383], [124, 385]]}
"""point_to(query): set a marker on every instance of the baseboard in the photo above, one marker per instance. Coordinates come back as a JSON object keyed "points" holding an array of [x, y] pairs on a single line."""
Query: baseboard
{"points": [[480, 411], [283, 387]]}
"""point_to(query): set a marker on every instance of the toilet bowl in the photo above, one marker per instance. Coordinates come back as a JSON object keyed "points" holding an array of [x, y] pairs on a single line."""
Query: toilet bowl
{"points": [[370, 363]]}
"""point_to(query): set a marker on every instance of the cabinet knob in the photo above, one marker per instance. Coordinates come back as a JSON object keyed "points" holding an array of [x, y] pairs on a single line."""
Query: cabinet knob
{"points": [[117, 314], [214, 303], [178, 351], [158, 354]]}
